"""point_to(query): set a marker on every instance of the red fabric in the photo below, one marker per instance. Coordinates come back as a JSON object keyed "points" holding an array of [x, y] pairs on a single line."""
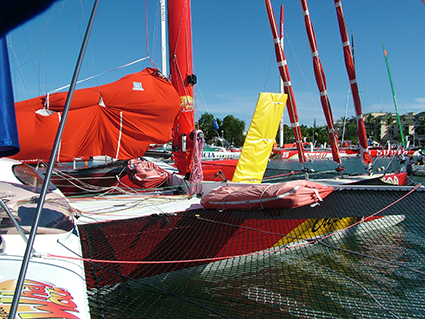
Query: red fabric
{"points": [[92, 129], [218, 170], [146, 174], [284, 73], [282, 195], [180, 44], [349, 64], [321, 83]]}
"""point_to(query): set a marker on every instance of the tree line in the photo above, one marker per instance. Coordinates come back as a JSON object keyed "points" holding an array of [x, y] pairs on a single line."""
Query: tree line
{"points": [[232, 131]]}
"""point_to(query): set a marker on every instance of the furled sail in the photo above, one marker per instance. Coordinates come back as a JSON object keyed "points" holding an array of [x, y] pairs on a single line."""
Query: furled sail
{"points": [[321, 83], [118, 119], [183, 79], [349, 64], [284, 73]]}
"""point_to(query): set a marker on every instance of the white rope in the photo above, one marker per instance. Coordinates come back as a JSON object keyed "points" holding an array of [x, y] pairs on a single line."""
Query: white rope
{"points": [[119, 137], [95, 76]]}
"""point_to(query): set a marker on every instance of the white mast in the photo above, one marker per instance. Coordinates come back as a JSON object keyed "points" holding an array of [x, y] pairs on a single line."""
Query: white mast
{"points": [[163, 38], [281, 127]]}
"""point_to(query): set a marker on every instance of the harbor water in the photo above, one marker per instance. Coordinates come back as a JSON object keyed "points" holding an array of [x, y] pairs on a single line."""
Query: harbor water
{"points": [[279, 170], [375, 270]]}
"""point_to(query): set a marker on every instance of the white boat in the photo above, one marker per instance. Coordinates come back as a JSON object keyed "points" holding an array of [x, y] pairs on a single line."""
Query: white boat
{"points": [[53, 286], [130, 233], [219, 153]]}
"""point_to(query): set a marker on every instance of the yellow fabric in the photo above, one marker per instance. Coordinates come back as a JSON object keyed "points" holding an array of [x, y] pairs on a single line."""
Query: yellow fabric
{"points": [[314, 227], [260, 138]]}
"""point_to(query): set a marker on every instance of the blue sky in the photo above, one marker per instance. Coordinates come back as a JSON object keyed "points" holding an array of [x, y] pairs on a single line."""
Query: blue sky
{"points": [[233, 52]]}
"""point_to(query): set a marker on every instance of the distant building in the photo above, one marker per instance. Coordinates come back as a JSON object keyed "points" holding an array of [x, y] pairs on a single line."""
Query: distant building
{"points": [[384, 127], [420, 128]]}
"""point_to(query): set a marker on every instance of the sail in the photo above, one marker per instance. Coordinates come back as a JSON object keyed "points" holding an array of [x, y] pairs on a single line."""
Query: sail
{"points": [[284, 73], [9, 143], [260, 138], [183, 79], [321, 83], [349, 64], [119, 119]]}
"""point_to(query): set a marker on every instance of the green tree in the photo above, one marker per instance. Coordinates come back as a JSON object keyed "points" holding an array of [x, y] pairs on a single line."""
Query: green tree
{"points": [[288, 135], [233, 130], [389, 122], [321, 135], [206, 125], [370, 120], [351, 132]]}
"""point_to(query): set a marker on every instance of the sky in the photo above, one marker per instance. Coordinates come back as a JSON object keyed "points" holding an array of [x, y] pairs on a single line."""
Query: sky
{"points": [[233, 52]]}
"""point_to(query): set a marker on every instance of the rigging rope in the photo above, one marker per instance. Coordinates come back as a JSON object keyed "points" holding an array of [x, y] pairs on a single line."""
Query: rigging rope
{"points": [[271, 250], [196, 176]]}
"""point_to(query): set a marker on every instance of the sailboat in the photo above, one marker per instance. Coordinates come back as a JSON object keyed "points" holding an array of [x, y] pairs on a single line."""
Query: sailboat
{"points": [[160, 225], [127, 239], [334, 152], [45, 286]]}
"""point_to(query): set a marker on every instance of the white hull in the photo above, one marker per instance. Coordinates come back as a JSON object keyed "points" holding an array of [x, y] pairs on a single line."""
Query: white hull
{"points": [[54, 284], [46, 276], [418, 170]]}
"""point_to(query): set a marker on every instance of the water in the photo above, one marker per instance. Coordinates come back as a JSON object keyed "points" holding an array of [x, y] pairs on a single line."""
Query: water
{"points": [[283, 170], [369, 272]]}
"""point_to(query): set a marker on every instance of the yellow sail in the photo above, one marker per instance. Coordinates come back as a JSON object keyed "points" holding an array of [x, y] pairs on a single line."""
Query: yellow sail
{"points": [[260, 138]]}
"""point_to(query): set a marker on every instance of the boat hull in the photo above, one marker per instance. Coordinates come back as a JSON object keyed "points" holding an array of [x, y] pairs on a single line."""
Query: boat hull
{"points": [[327, 154], [166, 242]]}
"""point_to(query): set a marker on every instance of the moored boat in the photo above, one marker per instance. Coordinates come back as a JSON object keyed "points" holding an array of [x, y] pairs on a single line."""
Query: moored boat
{"points": [[47, 277]]}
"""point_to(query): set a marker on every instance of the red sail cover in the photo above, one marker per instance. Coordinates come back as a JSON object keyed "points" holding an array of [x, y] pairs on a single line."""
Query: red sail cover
{"points": [[284, 74], [181, 71], [321, 82], [119, 119], [349, 64]]}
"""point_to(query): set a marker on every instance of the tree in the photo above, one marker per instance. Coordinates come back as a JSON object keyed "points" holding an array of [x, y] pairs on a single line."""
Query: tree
{"points": [[206, 125], [233, 130], [351, 132], [288, 135], [389, 122], [321, 135], [370, 120]]}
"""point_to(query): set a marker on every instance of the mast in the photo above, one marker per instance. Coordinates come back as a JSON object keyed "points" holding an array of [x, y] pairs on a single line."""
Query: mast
{"points": [[321, 84], [394, 97], [349, 64], [163, 39], [284, 73], [49, 170], [281, 127], [183, 79]]}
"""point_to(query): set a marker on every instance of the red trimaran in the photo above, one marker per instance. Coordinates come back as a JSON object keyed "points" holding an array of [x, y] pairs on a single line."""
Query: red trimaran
{"points": [[120, 120], [194, 236], [336, 153], [124, 250], [321, 84]]}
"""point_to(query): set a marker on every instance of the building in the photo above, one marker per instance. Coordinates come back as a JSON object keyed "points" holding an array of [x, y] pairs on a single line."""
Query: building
{"points": [[384, 127]]}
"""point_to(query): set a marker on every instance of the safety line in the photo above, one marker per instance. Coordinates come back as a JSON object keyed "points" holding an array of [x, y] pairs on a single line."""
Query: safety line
{"points": [[309, 241]]}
